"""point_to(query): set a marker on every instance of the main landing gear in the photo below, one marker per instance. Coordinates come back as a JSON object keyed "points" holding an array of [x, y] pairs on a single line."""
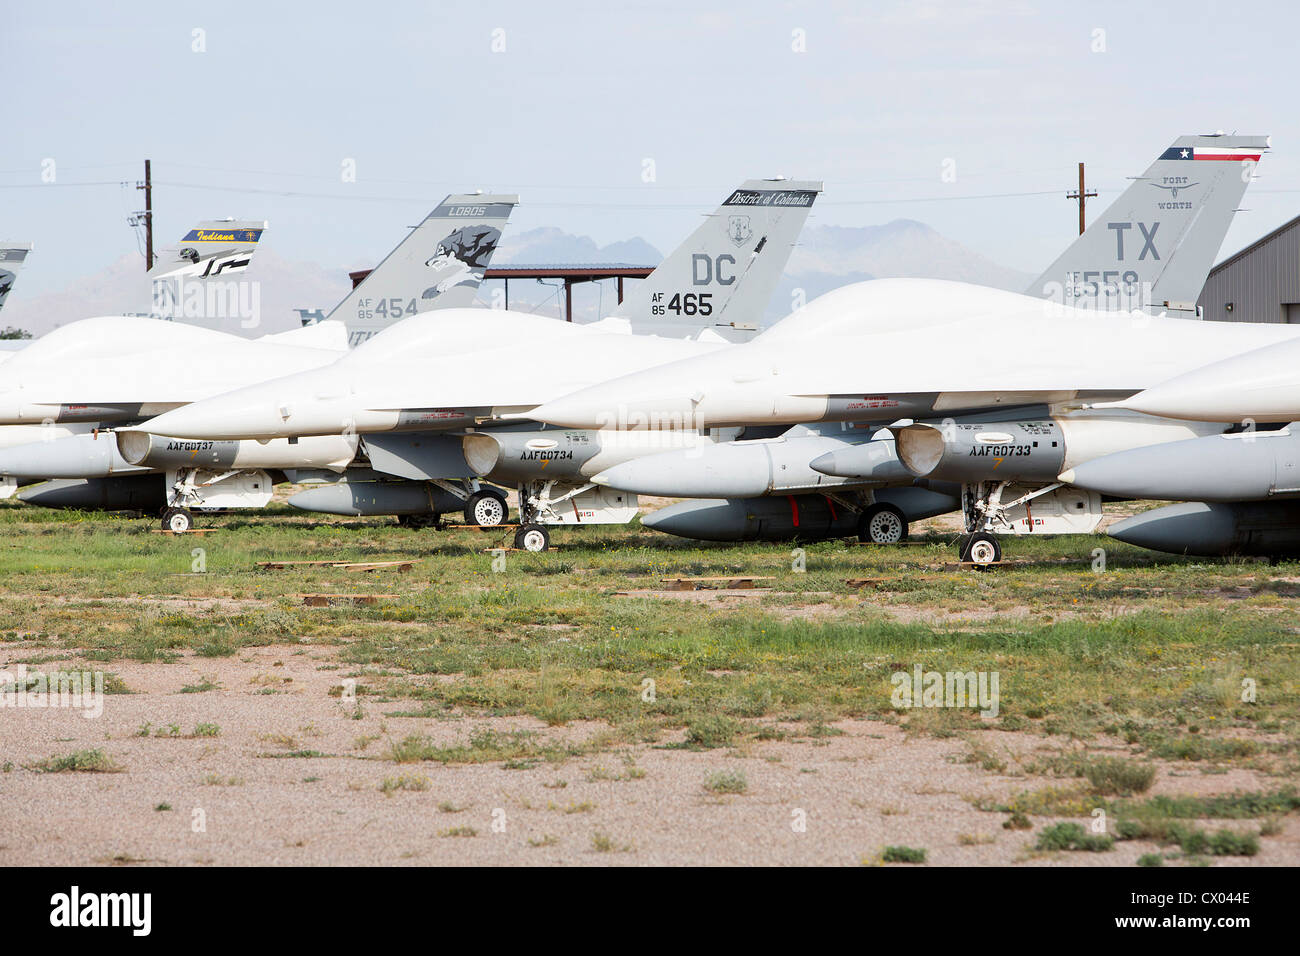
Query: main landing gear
{"points": [[882, 524], [486, 508]]}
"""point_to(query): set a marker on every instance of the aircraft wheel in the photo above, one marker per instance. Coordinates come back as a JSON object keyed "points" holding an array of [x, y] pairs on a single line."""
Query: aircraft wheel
{"points": [[177, 519], [532, 537], [486, 509], [882, 524], [982, 550]]}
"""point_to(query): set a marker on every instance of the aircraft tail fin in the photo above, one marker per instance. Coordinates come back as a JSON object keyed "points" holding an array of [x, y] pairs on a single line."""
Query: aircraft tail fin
{"points": [[214, 250], [439, 265], [721, 278], [12, 257], [1153, 246]]}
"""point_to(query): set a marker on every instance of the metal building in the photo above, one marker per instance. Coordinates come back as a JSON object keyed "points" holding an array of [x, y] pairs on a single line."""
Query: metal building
{"points": [[570, 274], [1261, 283]]}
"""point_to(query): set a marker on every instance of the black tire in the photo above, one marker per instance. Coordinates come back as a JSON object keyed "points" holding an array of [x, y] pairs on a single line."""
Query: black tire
{"points": [[982, 550], [177, 519], [487, 509], [882, 524], [532, 537]]}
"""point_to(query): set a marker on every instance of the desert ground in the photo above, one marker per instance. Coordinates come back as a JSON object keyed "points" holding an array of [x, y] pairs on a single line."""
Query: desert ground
{"points": [[570, 708]]}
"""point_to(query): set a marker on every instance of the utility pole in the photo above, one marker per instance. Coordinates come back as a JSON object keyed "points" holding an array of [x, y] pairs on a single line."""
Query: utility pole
{"points": [[1081, 194], [147, 186]]}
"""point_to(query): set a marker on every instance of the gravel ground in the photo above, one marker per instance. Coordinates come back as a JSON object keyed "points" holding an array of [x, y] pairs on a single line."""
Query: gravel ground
{"points": [[869, 787]]}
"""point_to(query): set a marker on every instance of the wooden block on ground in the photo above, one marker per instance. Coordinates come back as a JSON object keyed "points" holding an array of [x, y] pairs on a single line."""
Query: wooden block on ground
{"points": [[324, 600], [737, 583], [859, 583], [377, 565], [403, 565]]}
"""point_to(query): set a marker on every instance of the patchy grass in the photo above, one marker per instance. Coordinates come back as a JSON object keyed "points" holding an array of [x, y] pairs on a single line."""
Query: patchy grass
{"points": [[523, 747], [604, 843], [1115, 776], [390, 785], [1156, 652], [726, 781], [1072, 836], [202, 687], [903, 854], [79, 761], [464, 831]]}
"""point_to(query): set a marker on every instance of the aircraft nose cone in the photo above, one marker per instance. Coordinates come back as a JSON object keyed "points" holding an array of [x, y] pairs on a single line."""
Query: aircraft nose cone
{"points": [[572, 411], [827, 464], [1121, 475], [213, 419], [634, 478], [877, 459]]}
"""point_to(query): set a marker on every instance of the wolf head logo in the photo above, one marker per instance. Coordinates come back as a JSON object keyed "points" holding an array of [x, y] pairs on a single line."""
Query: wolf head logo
{"points": [[461, 258]]}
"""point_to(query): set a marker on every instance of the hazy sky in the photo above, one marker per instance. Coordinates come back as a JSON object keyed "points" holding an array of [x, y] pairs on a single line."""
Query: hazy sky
{"points": [[261, 122]]}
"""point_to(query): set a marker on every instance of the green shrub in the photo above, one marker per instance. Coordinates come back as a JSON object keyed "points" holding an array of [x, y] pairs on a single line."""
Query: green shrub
{"points": [[1072, 836], [903, 854]]}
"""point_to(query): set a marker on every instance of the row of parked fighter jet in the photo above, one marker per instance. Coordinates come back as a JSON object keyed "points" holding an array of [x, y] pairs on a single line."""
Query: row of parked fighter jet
{"points": [[871, 407]]}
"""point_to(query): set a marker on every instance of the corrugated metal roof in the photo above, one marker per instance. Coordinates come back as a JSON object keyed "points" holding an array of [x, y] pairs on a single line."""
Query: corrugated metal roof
{"points": [[574, 266], [1261, 241]]}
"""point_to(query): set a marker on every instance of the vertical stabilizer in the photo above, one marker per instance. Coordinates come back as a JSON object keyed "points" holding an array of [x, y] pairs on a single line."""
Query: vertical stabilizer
{"points": [[439, 265], [722, 277], [1153, 246], [213, 251], [12, 257]]}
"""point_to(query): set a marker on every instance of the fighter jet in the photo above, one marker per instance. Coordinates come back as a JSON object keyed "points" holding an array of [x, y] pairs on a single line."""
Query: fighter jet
{"points": [[423, 394], [225, 256], [117, 370], [979, 349]]}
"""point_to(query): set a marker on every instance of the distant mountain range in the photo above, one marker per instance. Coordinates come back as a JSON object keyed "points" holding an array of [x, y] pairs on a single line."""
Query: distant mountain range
{"points": [[825, 258]]}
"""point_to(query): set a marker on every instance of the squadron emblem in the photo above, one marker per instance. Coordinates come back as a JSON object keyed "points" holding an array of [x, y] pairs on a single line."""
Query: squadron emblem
{"points": [[738, 229]]}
